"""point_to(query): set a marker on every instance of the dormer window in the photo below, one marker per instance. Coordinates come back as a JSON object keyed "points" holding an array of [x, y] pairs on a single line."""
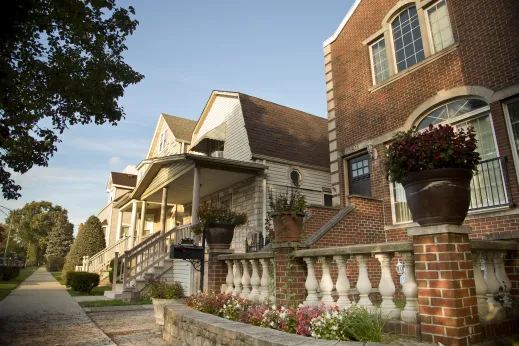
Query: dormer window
{"points": [[162, 141]]}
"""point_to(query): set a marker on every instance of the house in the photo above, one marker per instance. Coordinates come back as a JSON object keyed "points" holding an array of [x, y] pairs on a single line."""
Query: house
{"points": [[391, 65], [241, 148], [119, 184]]}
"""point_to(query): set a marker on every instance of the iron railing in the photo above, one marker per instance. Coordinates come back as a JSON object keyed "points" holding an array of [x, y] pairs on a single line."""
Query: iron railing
{"points": [[490, 186], [255, 242]]}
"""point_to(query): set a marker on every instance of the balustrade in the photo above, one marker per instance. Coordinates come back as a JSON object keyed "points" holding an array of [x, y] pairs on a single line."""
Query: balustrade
{"points": [[239, 281]]}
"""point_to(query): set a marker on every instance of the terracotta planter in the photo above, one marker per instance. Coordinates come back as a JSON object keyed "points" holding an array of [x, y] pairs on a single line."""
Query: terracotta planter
{"points": [[438, 196], [158, 308], [287, 226], [219, 236]]}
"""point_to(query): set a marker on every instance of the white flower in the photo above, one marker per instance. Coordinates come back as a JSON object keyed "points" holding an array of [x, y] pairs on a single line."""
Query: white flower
{"points": [[273, 307], [272, 323], [334, 327]]}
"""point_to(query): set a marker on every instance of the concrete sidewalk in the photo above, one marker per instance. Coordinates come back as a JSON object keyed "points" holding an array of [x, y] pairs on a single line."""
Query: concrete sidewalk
{"points": [[41, 312]]}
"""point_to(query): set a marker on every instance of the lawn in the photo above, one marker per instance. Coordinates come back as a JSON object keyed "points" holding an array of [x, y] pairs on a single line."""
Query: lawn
{"points": [[7, 286], [57, 276], [98, 291], [116, 302]]}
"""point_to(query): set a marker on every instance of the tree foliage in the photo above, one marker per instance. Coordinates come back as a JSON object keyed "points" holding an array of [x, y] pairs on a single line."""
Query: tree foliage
{"points": [[61, 64], [60, 237], [88, 242]]}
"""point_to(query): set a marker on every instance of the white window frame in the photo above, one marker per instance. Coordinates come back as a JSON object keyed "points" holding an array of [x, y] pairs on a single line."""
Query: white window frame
{"points": [[510, 132], [429, 31], [373, 74], [162, 141]]}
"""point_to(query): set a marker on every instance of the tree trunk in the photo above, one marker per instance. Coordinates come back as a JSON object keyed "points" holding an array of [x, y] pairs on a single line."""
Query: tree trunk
{"points": [[36, 253]]}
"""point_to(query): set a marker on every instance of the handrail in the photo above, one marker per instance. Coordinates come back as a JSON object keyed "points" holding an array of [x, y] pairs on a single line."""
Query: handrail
{"points": [[101, 259], [106, 249], [490, 187], [142, 243]]}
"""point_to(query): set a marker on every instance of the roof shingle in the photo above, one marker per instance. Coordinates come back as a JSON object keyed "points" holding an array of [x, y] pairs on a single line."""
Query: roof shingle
{"points": [[285, 133], [182, 128]]}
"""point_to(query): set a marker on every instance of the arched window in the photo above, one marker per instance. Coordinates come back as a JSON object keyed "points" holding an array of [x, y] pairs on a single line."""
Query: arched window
{"points": [[450, 111], [407, 38], [295, 177]]}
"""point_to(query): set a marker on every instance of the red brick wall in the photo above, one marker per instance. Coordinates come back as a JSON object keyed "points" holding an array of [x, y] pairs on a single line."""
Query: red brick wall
{"points": [[486, 55]]}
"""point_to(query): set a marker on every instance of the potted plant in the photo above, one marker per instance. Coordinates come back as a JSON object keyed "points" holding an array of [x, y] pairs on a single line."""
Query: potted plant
{"points": [[161, 294], [435, 167], [219, 224], [287, 210]]}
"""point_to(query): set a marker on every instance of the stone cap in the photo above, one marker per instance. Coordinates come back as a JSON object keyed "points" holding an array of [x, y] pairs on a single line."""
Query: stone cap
{"points": [[494, 245], [438, 229], [406, 246], [246, 256]]}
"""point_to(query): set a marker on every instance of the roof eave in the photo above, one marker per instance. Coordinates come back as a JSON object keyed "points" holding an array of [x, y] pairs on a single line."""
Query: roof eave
{"points": [[343, 23]]}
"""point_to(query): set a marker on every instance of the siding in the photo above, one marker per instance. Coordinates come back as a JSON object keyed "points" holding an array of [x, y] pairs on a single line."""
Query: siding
{"points": [[312, 186], [172, 146], [166, 173], [228, 109], [182, 272]]}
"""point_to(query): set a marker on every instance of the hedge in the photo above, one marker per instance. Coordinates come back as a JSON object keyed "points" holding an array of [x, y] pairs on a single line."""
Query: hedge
{"points": [[55, 263], [70, 276], [9, 272], [84, 282]]}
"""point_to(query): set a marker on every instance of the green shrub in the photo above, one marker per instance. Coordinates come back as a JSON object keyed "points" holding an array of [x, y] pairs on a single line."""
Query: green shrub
{"points": [[55, 263], [70, 276], [9, 272], [160, 289], [84, 282]]}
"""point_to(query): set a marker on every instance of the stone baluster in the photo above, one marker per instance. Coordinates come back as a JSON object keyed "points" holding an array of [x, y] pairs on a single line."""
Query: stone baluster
{"points": [[272, 297], [494, 307], [237, 278], [326, 284], [343, 284], [363, 284], [481, 286], [255, 281], [265, 279], [386, 287], [245, 280], [410, 290], [311, 283], [229, 280], [502, 277]]}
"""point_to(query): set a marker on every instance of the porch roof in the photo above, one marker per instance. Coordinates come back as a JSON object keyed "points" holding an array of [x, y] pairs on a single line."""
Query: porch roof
{"points": [[177, 173]]}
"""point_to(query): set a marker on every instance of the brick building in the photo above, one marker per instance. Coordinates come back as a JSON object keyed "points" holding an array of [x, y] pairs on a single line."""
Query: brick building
{"points": [[391, 65]]}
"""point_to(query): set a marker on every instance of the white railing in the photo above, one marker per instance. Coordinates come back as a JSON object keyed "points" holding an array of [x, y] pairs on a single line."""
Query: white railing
{"points": [[239, 281], [101, 260], [138, 261]]}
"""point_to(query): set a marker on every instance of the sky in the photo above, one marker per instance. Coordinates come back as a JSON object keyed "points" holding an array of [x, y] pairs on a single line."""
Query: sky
{"points": [[185, 49]]}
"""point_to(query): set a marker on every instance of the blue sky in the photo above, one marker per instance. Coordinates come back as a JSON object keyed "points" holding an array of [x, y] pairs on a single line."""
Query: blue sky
{"points": [[186, 49]]}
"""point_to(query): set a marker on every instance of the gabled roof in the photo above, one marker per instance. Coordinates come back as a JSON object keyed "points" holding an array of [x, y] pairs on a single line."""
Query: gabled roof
{"points": [[123, 179], [343, 23], [182, 128], [285, 133]]}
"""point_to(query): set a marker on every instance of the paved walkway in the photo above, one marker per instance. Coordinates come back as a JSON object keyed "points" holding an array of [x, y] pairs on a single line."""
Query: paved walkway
{"points": [[41, 312]]}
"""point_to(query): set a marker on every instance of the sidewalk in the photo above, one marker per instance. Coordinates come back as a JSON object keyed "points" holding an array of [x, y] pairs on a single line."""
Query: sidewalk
{"points": [[41, 312]]}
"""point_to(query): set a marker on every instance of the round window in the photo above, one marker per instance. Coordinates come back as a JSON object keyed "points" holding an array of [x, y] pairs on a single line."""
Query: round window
{"points": [[295, 177]]}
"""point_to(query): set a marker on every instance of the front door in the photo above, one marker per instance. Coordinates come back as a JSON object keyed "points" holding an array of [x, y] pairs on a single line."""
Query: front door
{"points": [[359, 176], [148, 224]]}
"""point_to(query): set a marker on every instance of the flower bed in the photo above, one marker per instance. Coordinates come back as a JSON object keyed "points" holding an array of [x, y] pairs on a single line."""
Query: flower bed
{"points": [[329, 323]]}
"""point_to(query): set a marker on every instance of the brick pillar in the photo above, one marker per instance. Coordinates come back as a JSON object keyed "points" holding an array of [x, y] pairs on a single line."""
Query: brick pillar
{"points": [[289, 273], [512, 270], [446, 288], [216, 269]]}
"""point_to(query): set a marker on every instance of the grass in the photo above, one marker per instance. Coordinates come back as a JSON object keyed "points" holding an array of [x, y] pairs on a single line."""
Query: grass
{"points": [[98, 291], [7, 286], [115, 302], [57, 276]]}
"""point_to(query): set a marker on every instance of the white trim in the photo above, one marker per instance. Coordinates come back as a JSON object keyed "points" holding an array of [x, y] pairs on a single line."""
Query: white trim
{"points": [[428, 23], [373, 74], [161, 117], [343, 23], [162, 141], [510, 131]]}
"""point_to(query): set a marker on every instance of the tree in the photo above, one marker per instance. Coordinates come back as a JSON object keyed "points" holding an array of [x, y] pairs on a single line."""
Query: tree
{"points": [[61, 64], [60, 237], [88, 242], [33, 224]]}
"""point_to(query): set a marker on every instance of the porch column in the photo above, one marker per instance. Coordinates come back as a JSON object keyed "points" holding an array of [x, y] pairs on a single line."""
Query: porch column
{"points": [[141, 224], [196, 197], [163, 211], [119, 226], [133, 224]]}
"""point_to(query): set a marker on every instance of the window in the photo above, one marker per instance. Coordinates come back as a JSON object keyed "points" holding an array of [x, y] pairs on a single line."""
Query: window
{"points": [[379, 61], [408, 39], [451, 110], [440, 29], [512, 120], [162, 141], [359, 176], [295, 177], [327, 199]]}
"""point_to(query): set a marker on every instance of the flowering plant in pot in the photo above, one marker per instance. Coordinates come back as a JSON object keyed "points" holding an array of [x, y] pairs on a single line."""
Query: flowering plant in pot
{"points": [[219, 224], [161, 294], [435, 167], [287, 210]]}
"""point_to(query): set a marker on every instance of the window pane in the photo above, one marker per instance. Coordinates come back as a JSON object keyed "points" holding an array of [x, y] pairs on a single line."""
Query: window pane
{"points": [[407, 25], [380, 65], [450, 111], [513, 111], [440, 25]]}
